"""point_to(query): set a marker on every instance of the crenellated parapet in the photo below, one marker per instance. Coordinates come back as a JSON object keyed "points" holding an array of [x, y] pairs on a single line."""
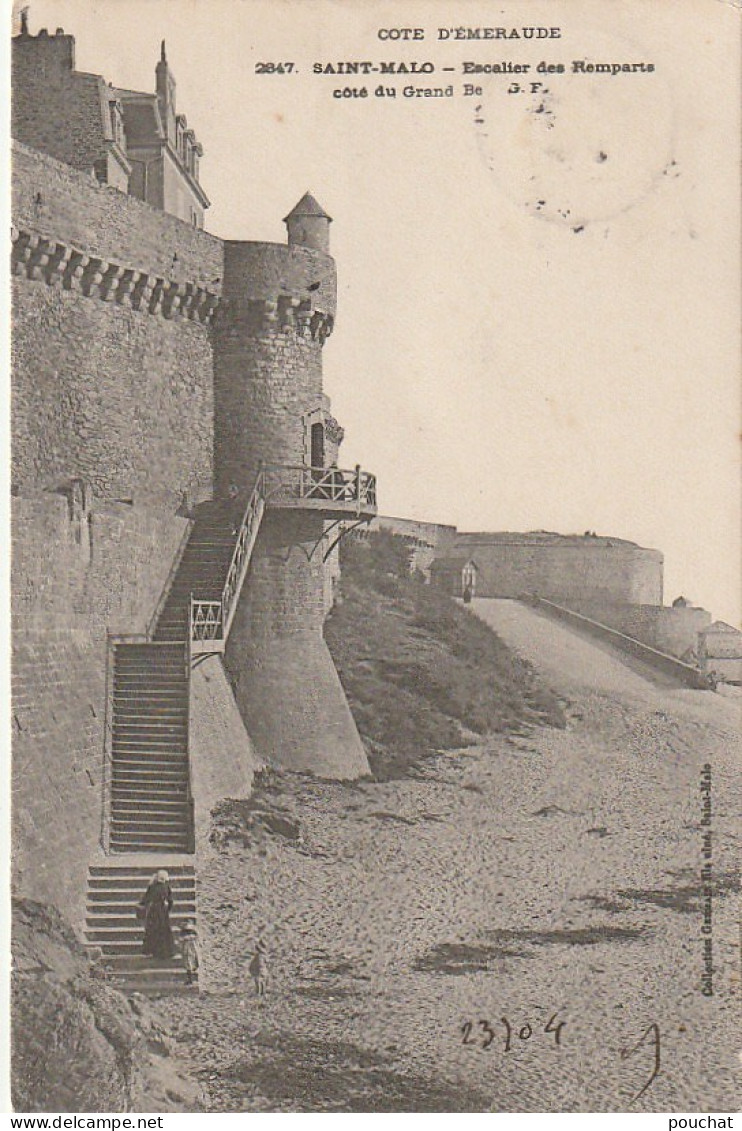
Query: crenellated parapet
{"points": [[63, 265], [280, 315]]}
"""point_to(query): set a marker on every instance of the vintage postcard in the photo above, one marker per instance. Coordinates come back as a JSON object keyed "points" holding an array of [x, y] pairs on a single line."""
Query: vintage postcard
{"points": [[376, 646]]}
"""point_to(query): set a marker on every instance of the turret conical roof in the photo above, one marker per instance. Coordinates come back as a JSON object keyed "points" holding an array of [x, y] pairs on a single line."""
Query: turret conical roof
{"points": [[307, 206]]}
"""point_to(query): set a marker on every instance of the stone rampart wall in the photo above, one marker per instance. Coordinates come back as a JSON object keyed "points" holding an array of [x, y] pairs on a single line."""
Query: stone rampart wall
{"points": [[74, 577], [669, 629], [51, 199], [564, 570]]}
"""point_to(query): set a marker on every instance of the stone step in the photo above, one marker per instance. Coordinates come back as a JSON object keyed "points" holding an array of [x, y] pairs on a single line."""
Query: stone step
{"points": [[133, 984], [128, 765], [180, 869], [156, 730], [130, 648], [169, 840], [144, 787], [143, 805], [149, 755], [141, 832], [154, 666], [115, 908], [155, 738], [137, 810], [132, 887], [129, 718], [149, 699], [202, 567], [150, 967], [150, 758], [156, 835], [133, 795], [138, 744], [134, 792], [155, 662], [179, 796], [120, 948], [147, 759], [126, 926], [161, 680], [145, 778], [128, 847], [128, 893], [131, 872], [130, 712], [153, 685], [153, 823]]}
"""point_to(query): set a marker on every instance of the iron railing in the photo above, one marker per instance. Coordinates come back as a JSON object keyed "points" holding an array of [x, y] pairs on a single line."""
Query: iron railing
{"points": [[276, 485], [284, 483]]}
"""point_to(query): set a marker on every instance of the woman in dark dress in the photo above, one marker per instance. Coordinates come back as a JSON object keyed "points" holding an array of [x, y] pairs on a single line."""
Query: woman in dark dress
{"points": [[156, 905]]}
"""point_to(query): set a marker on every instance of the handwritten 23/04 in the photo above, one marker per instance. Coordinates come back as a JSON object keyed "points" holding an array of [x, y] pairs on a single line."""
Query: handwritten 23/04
{"points": [[482, 1034]]}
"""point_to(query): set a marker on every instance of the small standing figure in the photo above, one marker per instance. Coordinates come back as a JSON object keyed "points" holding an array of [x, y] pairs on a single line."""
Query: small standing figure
{"points": [[155, 907], [259, 967], [189, 949], [467, 594]]}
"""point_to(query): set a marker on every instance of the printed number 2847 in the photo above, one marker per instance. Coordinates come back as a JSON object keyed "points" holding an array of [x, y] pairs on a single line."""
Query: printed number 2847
{"points": [[273, 68]]}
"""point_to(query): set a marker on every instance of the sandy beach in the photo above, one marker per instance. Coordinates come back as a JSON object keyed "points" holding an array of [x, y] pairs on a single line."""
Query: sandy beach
{"points": [[517, 926]]}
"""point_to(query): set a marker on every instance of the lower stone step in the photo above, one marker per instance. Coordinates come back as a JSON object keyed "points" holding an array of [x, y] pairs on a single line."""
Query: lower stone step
{"points": [[121, 843]]}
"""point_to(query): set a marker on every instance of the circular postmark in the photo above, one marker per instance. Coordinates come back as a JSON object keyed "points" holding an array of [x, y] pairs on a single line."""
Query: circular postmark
{"points": [[579, 139]]}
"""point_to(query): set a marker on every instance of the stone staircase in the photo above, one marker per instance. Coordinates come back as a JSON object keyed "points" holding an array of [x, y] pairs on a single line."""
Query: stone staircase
{"points": [[151, 815], [202, 569], [150, 808], [114, 890]]}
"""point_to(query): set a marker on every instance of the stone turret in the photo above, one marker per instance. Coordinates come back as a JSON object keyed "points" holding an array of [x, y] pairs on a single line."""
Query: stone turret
{"points": [[270, 412], [309, 225], [279, 311]]}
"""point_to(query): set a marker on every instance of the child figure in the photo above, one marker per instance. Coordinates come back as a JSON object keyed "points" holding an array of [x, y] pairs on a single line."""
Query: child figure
{"points": [[189, 949], [259, 968]]}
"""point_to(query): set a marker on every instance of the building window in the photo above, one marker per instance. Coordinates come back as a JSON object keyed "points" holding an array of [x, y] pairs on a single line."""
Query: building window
{"points": [[117, 124]]}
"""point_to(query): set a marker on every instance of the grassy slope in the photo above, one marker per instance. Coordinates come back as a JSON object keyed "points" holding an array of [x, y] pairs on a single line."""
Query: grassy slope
{"points": [[421, 672]]}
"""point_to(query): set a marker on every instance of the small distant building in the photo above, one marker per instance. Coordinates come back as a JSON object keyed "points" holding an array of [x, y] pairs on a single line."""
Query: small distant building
{"points": [[720, 651], [454, 574]]}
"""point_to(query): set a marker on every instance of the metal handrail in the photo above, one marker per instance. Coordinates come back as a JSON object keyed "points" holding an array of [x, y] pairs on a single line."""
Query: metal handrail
{"points": [[334, 484], [251, 518], [211, 619], [190, 800]]}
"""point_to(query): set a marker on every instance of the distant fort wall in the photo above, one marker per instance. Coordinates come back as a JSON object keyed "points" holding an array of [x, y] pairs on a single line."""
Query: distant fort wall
{"points": [[564, 567], [575, 567], [666, 628]]}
